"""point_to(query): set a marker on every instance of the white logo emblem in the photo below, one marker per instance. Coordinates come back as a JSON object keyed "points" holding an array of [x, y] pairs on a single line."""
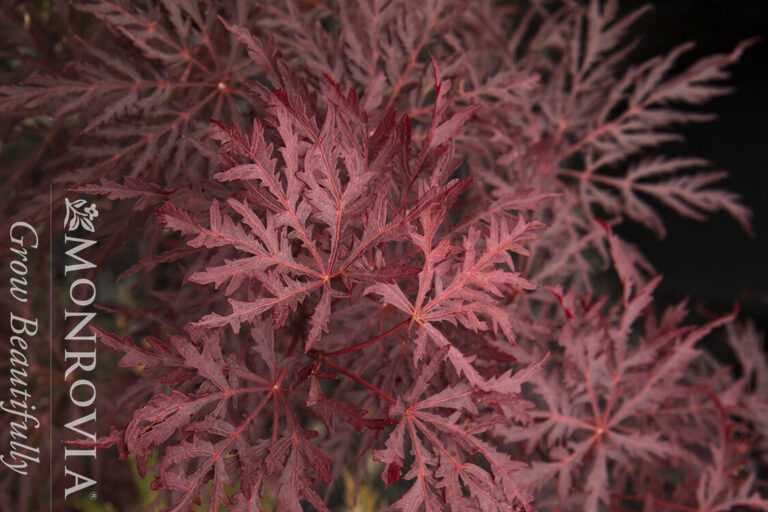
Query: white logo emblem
{"points": [[78, 216]]}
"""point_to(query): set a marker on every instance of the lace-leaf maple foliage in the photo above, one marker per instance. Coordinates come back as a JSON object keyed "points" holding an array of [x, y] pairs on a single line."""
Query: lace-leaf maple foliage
{"points": [[383, 250], [325, 226]]}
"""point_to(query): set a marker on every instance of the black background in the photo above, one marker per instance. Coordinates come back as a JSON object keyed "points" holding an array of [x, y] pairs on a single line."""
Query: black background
{"points": [[715, 262]]}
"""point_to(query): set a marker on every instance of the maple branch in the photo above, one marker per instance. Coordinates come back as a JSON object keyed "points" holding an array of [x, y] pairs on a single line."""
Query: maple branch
{"points": [[357, 379], [371, 341]]}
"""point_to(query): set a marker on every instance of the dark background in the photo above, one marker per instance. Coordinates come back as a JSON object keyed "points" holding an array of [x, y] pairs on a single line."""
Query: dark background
{"points": [[715, 262]]}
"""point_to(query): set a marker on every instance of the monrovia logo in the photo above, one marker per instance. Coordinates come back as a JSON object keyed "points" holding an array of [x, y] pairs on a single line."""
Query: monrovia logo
{"points": [[75, 217], [80, 342]]}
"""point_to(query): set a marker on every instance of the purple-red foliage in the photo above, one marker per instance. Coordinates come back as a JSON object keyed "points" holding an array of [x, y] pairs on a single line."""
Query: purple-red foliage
{"points": [[384, 247]]}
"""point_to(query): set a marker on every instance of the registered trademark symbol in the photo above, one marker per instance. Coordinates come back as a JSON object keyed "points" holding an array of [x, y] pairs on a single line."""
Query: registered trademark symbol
{"points": [[93, 495]]}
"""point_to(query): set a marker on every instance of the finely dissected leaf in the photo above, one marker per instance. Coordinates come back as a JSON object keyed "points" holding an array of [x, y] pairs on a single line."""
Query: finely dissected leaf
{"points": [[609, 392], [440, 442], [465, 290]]}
